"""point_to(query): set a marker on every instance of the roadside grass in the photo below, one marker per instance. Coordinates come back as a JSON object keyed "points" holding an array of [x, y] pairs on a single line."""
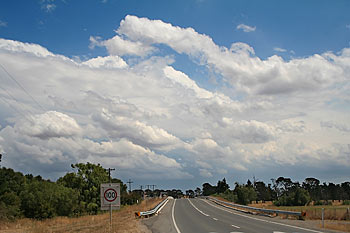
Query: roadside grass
{"points": [[337, 217], [337, 225], [315, 212], [123, 220]]}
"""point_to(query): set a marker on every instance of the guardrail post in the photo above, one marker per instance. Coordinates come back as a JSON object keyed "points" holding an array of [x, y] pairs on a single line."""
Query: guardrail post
{"points": [[322, 217]]}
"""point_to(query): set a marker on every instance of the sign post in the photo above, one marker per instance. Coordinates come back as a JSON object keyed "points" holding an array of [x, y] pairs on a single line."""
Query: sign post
{"points": [[110, 198]]}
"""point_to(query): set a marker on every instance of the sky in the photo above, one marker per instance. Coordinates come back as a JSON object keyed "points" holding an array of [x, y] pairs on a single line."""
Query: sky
{"points": [[177, 93]]}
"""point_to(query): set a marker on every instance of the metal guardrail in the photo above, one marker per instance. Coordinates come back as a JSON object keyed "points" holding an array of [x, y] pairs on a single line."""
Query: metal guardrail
{"points": [[269, 211], [152, 211]]}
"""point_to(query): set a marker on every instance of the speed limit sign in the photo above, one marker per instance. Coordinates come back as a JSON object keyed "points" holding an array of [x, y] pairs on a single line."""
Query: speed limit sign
{"points": [[110, 196]]}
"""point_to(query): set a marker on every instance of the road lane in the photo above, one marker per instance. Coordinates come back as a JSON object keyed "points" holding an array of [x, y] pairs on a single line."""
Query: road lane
{"points": [[198, 215], [245, 222], [190, 220]]}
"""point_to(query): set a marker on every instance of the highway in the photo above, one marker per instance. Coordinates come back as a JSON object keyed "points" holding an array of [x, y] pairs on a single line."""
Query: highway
{"points": [[198, 215]]}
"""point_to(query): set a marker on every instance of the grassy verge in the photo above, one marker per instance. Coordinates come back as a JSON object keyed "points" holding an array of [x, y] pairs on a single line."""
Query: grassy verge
{"points": [[315, 212], [123, 220], [336, 217]]}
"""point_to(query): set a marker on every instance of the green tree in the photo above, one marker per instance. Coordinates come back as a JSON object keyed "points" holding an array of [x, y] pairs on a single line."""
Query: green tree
{"points": [[86, 180], [11, 184], [222, 186], [208, 189], [312, 185], [44, 199], [245, 194], [10, 206], [297, 197], [263, 193]]}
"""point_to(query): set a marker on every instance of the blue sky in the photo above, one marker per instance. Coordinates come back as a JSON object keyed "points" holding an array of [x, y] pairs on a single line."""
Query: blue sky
{"points": [[304, 27], [194, 90]]}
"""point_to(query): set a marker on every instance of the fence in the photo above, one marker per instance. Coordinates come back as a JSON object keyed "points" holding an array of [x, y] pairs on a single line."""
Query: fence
{"points": [[249, 208]]}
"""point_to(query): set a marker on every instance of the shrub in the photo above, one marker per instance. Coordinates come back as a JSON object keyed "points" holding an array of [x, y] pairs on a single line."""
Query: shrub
{"points": [[346, 202]]}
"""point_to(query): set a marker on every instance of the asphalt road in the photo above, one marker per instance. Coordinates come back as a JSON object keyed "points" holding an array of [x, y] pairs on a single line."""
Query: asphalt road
{"points": [[198, 215]]}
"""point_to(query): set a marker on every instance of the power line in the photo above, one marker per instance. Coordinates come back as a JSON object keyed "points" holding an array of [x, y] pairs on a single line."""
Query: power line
{"points": [[9, 104], [9, 75], [12, 97], [40, 106]]}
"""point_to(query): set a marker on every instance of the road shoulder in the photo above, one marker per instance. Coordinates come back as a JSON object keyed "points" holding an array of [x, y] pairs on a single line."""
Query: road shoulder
{"points": [[162, 222]]}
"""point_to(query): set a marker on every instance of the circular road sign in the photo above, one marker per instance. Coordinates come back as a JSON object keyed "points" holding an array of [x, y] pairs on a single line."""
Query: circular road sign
{"points": [[110, 195]]}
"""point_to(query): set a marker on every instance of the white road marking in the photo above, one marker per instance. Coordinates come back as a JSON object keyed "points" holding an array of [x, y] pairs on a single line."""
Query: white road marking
{"points": [[172, 215], [235, 226], [262, 220], [162, 206], [215, 219], [197, 208]]}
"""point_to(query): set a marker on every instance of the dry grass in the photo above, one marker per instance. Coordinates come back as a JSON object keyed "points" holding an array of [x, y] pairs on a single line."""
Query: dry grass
{"points": [[123, 220], [337, 216], [337, 225], [331, 212]]}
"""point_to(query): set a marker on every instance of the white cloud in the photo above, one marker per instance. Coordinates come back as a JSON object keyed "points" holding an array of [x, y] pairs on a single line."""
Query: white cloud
{"points": [[48, 5], [281, 50], [15, 46], [106, 62], [249, 131], [3, 23], [238, 65], [119, 46], [135, 131], [335, 125], [150, 117], [246, 28], [48, 125], [186, 82]]}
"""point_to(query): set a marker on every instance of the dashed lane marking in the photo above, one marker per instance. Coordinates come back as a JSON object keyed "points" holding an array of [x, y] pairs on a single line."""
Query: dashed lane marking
{"points": [[235, 226], [215, 219], [262, 220]]}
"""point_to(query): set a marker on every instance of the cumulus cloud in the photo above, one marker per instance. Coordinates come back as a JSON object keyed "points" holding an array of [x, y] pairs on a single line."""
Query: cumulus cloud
{"points": [[106, 62], [136, 131], [119, 46], [335, 125], [48, 125], [15, 46], [146, 115], [238, 65], [246, 28], [186, 82], [249, 131]]}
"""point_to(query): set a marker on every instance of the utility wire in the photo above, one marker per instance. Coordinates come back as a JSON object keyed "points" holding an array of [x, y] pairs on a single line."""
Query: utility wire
{"points": [[9, 75], [12, 97], [9, 104]]}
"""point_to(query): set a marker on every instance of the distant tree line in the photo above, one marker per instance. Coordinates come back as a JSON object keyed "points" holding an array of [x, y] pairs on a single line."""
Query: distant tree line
{"points": [[76, 193], [282, 191]]}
